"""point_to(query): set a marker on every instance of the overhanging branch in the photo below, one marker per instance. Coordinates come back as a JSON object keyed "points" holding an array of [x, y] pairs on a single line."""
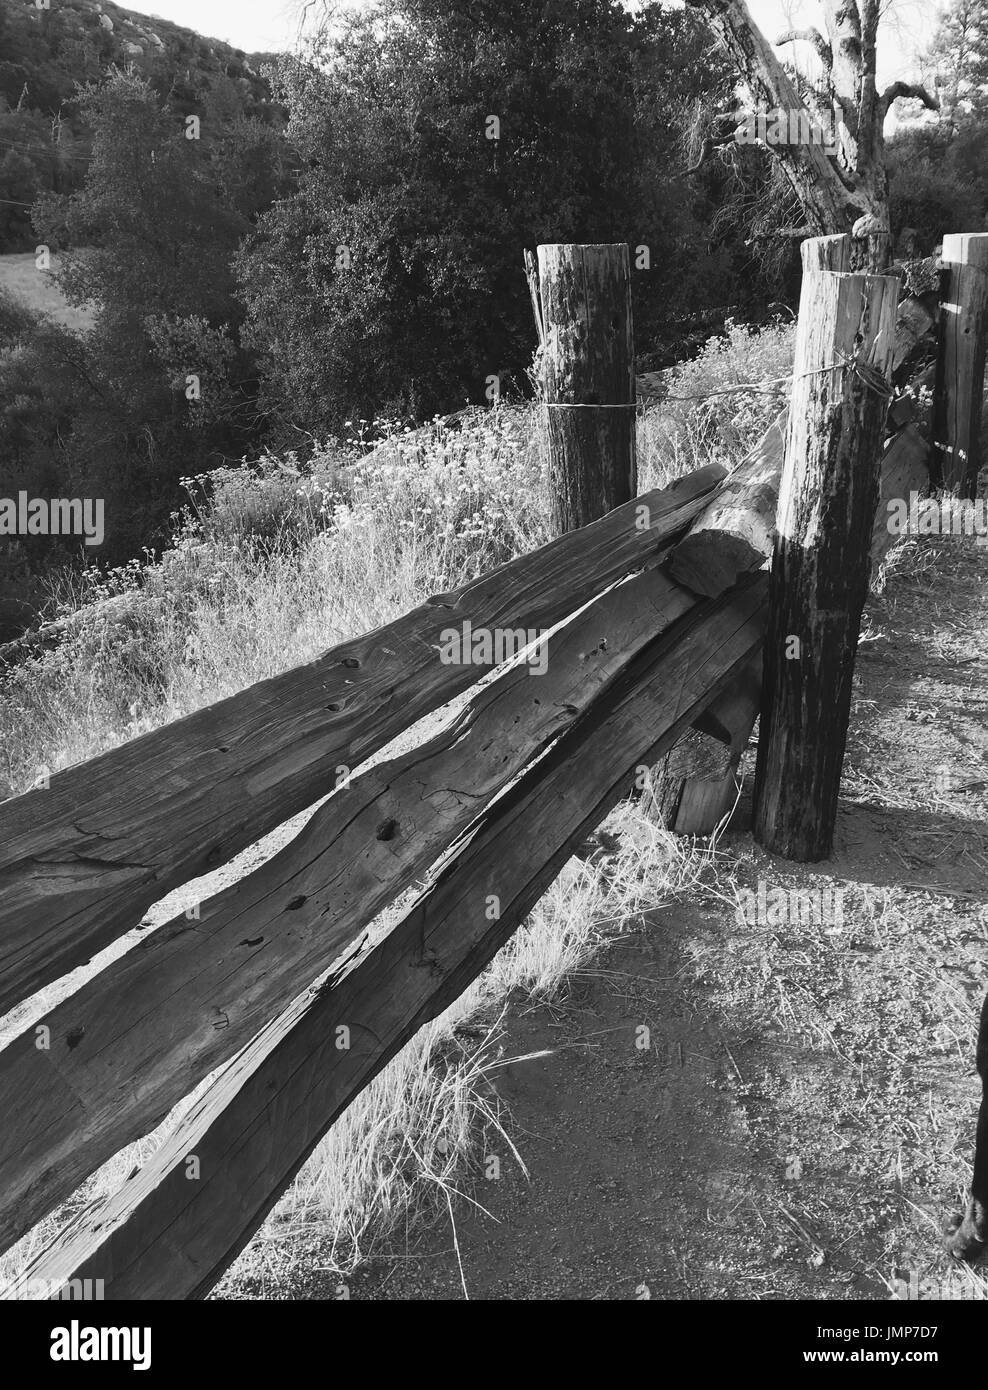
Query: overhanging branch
{"points": [[905, 89], [813, 36], [820, 189]]}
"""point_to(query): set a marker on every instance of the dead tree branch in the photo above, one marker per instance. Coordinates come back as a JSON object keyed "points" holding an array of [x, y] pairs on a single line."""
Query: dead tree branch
{"points": [[813, 36], [827, 202], [906, 89]]}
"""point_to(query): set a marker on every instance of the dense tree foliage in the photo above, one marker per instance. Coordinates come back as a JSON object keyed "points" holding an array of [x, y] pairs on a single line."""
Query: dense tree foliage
{"points": [[958, 60], [436, 140], [257, 286], [159, 386], [46, 53], [939, 169]]}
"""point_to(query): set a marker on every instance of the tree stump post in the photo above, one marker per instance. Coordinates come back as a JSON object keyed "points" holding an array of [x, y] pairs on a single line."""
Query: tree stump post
{"points": [[821, 561], [960, 381], [587, 350]]}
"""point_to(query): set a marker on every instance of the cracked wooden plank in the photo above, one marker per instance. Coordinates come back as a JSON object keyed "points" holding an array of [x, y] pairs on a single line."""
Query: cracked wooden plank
{"points": [[178, 802], [164, 1235], [133, 1040]]}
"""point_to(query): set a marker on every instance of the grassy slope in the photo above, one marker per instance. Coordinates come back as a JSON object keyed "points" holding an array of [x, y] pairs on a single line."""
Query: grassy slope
{"points": [[36, 290]]}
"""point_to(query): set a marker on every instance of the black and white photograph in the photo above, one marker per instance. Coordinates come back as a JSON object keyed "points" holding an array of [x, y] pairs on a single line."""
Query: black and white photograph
{"points": [[493, 680]]}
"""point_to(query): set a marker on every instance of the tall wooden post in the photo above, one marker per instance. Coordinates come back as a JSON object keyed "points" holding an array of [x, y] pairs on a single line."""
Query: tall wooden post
{"points": [[960, 383], [589, 378], [821, 560], [695, 785]]}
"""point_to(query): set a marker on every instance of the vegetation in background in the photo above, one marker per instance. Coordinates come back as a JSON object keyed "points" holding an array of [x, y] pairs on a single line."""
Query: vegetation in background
{"points": [[45, 53], [435, 141], [270, 565], [219, 259], [111, 411], [348, 247]]}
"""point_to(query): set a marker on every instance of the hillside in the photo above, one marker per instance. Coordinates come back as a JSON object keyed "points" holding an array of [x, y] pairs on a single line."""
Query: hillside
{"points": [[45, 54]]}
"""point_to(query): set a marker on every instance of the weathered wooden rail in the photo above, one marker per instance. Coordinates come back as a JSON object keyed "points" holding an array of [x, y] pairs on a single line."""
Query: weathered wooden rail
{"points": [[492, 803], [113, 835], [164, 1236], [656, 617]]}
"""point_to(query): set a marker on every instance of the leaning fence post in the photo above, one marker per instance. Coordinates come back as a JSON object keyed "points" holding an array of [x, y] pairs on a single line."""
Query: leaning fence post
{"points": [[960, 380], [587, 350], [821, 560]]}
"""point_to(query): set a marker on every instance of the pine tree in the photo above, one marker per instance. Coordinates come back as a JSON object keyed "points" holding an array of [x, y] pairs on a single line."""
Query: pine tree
{"points": [[958, 58]]}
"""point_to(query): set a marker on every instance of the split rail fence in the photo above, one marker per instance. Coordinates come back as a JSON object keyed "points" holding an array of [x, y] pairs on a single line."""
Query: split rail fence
{"points": [[287, 985]]}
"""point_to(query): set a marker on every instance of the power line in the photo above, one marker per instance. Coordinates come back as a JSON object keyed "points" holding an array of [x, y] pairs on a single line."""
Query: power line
{"points": [[41, 149]]}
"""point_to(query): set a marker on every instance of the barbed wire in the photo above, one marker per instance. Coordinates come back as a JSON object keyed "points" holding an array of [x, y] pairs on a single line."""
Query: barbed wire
{"points": [[870, 375]]}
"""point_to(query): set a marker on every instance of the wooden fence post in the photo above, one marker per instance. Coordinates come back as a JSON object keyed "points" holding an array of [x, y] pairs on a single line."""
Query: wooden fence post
{"points": [[960, 382], [588, 361], [821, 561], [696, 784]]}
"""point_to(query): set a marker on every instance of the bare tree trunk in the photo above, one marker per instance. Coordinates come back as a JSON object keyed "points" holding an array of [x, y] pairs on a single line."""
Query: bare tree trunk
{"points": [[845, 191]]}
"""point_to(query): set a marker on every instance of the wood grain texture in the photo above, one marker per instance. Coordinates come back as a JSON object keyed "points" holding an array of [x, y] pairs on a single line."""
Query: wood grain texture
{"points": [[904, 471], [587, 355], [960, 389], [82, 861], [914, 320], [695, 785], [137, 1037], [826, 253], [164, 1235], [736, 532], [821, 565]]}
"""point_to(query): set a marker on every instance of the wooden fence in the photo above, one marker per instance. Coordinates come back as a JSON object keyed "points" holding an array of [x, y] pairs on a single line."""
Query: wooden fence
{"points": [[499, 798], [286, 980]]}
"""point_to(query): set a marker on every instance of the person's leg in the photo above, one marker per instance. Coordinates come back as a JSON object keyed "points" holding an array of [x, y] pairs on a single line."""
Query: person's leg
{"points": [[970, 1236]]}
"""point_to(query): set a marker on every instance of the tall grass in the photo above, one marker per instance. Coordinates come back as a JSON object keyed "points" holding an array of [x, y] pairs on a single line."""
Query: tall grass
{"points": [[268, 567], [715, 406]]}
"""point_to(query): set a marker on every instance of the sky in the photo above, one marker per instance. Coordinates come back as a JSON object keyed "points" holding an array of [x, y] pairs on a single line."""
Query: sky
{"points": [[257, 26], [265, 25]]}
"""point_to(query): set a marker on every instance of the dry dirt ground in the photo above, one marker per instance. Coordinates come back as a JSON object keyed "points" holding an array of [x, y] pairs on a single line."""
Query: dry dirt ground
{"points": [[803, 1116]]}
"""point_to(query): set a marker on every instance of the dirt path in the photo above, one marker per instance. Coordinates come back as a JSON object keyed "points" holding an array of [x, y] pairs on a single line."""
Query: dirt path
{"points": [[646, 1179], [803, 1115]]}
